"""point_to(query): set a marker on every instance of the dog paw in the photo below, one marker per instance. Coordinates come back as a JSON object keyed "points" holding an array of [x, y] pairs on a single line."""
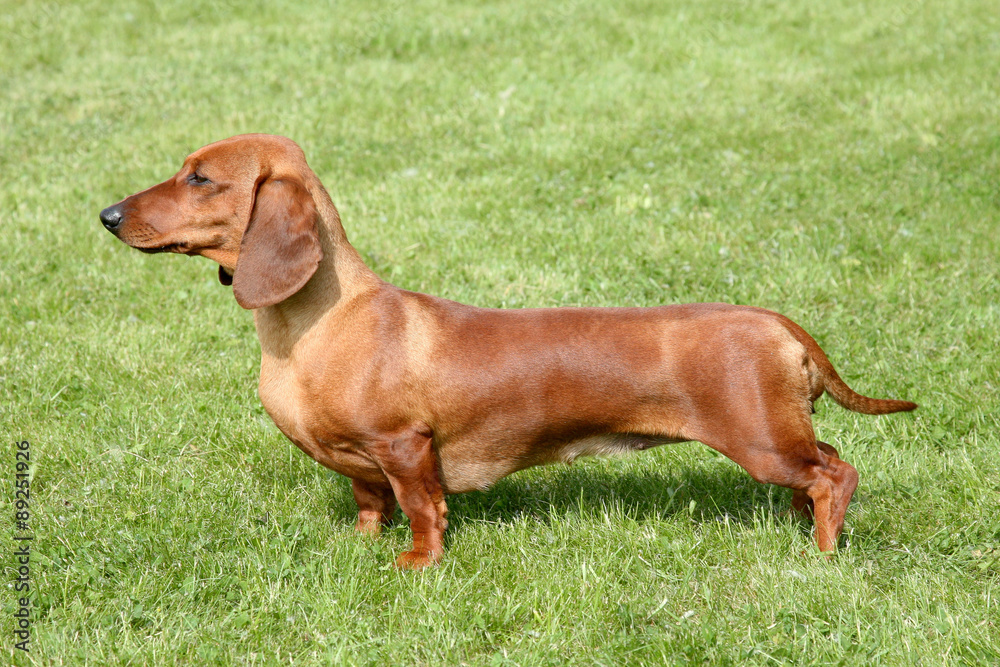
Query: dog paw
{"points": [[369, 528], [417, 559]]}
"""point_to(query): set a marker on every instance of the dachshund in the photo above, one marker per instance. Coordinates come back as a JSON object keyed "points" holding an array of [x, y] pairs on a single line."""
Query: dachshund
{"points": [[413, 396]]}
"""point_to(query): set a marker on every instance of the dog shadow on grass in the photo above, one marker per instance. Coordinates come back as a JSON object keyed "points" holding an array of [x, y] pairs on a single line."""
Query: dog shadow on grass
{"points": [[706, 495], [714, 490]]}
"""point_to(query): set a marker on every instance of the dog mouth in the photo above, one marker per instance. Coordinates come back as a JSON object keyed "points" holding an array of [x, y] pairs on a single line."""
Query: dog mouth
{"points": [[169, 247]]}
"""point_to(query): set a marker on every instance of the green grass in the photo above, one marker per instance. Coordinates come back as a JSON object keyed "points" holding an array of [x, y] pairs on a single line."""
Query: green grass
{"points": [[834, 161]]}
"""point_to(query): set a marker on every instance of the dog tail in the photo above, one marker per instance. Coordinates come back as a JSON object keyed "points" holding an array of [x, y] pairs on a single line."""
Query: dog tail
{"points": [[852, 400], [827, 379]]}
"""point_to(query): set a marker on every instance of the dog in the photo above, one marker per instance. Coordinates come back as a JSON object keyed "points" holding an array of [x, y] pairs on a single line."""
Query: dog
{"points": [[413, 397]]}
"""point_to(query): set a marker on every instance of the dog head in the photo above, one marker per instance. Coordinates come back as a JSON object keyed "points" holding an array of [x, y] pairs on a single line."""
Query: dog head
{"points": [[243, 202]]}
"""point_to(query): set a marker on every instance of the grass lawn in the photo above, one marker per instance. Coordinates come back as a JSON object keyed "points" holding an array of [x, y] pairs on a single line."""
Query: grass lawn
{"points": [[837, 162]]}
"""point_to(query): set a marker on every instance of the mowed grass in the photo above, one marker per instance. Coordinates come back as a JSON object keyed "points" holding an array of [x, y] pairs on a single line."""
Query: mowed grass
{"points": [[837, 162]]}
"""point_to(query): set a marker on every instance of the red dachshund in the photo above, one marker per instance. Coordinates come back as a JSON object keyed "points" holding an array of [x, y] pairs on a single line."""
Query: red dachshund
{"points": [[413, 396]]}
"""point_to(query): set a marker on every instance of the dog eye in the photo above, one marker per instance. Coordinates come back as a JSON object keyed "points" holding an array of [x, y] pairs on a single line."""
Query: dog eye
{"points": [[197, 179]]}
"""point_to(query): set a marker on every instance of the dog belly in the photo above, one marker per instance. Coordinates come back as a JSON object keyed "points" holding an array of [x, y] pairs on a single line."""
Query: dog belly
{"points": [[475, 467], [610, 444]]}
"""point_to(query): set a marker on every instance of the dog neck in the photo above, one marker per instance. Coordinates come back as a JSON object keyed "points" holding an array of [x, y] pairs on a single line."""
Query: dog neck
{"points": [[340, 278]]}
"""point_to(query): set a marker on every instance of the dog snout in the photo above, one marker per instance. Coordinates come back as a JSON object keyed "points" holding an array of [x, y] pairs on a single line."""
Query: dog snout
{"points": [[112, 217]]}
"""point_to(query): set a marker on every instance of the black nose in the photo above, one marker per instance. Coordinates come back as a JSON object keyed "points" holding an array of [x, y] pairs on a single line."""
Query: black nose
{"points": [[112, 217]]}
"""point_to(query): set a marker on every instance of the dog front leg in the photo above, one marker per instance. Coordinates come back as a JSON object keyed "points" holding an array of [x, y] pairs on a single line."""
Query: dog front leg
{"points": [[409, 463], [376, 505]]}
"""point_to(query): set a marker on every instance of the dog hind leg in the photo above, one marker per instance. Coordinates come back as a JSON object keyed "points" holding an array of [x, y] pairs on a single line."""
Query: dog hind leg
{"points": [[791, 457]]}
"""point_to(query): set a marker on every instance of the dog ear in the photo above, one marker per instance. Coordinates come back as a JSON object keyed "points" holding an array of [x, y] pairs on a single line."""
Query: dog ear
{"points": [[280, 249]]}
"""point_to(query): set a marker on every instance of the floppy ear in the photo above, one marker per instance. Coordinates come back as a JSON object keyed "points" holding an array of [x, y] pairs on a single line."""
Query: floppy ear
{"points": [[280, 249]]}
